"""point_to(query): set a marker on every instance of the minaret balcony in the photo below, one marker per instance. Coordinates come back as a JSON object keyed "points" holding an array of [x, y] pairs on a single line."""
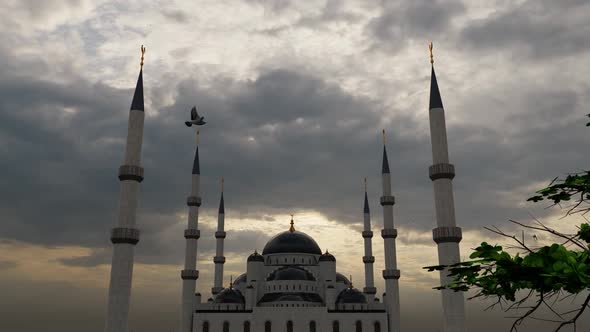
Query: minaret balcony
{"points": [[389, 233], [131, 172], [387, 200], [391, 274], [367, 234], [193, 201], [189, 274], [370, 290], [192, 233], [220, 235], [441, 171], [125, 235], [369, 259], [219, 259], [446, 234]]}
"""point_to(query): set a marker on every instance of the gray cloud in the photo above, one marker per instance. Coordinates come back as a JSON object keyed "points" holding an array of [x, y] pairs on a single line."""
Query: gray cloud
{"points": [[534, 29], [401, 22]]}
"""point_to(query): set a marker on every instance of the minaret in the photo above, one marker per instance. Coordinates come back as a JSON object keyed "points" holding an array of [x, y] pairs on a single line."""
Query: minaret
{"points": [[125, 236], [368, 259], [219, 259], [446, 235], [391, 274], [190, 274]]}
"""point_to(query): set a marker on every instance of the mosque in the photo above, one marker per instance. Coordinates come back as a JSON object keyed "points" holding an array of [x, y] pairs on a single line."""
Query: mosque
{"points": [[291, 286]]}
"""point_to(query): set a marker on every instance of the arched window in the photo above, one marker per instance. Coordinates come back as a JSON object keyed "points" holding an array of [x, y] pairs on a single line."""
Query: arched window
{"points": [[312, 326], [335, 326], [205, 326], [247, 326], [359, 326], [225, 326], [267, 327], [289, 326], [377, 327]]}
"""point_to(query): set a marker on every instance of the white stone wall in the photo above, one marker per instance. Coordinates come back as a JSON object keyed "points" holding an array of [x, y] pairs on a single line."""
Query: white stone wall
{"points": [[301, 318]]}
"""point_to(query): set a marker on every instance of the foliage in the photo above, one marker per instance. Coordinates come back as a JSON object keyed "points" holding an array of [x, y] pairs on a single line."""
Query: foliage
{"points": [[541, 273]]}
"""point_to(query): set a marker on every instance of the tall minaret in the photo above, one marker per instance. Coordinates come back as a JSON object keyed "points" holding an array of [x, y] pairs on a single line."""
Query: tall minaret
{"points": [[190, 274], [219, 259], [391, 274], [446, 235], [125, 236], [368, 259]]}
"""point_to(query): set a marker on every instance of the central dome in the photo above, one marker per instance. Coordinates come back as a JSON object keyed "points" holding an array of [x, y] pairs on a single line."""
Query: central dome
{"points": [[292, 242]]}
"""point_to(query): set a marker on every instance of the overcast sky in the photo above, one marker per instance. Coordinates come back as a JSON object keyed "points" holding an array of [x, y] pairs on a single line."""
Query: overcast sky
{"points": [[295, 94]]}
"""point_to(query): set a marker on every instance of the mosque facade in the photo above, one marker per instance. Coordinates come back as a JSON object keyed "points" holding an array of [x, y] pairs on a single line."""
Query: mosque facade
{"points": [[291, 286]]}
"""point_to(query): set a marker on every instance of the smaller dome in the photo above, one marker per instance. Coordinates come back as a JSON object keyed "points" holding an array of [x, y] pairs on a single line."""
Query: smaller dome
{"points": [[255, 257], [229, 295], [290, 273], [341, 278], [327, 257], [241, 279], [351, 295]]}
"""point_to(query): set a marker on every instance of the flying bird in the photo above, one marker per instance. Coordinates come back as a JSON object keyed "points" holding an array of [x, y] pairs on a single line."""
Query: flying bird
{"points": [[195, 118]]}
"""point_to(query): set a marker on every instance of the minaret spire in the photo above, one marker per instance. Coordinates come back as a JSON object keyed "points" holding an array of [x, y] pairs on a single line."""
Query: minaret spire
{"points": [[125, 236], [391, 274], [137, 102], [220, 234], [446, 235], [190, 274], [221, 204], [385, 164], [196, 164], [368, 258]]}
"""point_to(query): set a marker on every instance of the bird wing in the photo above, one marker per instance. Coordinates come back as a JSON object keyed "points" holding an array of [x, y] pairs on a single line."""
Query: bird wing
{"points": [[194, 113]]}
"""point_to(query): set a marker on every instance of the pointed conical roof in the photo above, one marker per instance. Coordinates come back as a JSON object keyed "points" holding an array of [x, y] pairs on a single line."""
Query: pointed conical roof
{"points": [[137, 102], [196, 166], [435, 100], [366, 207], [385, 166], [221, 205]]}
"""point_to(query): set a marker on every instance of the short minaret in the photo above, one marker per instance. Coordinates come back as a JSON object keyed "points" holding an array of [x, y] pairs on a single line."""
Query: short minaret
{"points": [[391, 274], [446, 235], [219, 259], [125, 236], [368, 259], [190, 274]]}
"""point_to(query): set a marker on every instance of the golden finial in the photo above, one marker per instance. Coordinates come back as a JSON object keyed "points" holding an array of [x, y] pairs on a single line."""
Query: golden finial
{"points": [[383, 132], [292, 228], [142, 53], [222, 181], [431, 56], [197, 136], [231, 282], [350, 284]]}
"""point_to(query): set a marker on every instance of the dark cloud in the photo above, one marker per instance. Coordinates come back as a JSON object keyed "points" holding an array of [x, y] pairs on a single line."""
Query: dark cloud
{"points": [[285, 141], [534, 29], [401, 22]]}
